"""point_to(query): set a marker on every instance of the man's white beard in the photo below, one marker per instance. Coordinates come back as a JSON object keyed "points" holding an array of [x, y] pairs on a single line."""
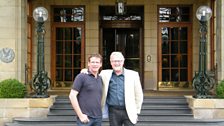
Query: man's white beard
{"points": [[119, 68]]}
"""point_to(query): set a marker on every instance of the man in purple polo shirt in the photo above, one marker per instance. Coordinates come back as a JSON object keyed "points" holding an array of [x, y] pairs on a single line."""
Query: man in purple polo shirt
{"points": [[86, 94]]}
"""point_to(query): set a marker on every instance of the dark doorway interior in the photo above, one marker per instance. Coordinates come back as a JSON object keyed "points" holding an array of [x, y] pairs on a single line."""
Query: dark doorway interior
{"points": [[123, 33], [125, 40]]}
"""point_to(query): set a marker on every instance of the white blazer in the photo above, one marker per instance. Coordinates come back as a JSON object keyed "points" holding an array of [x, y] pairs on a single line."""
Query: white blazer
{"points": [[133, 92]]}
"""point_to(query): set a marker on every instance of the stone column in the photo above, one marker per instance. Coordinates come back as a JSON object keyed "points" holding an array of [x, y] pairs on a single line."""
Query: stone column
{"points": [[220, 38], [13, 39]]}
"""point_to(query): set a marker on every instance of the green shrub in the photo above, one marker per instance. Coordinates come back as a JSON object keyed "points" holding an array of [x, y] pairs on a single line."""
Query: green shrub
{"points": [[220, 90], [12, 88]]}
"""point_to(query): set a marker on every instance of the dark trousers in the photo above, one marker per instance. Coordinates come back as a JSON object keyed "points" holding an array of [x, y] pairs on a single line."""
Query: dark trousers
{"points": [[119, 117]]}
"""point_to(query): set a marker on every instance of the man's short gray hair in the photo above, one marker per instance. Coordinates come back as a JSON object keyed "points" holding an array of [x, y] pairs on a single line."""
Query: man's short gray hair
{"points": [[117, 54]]}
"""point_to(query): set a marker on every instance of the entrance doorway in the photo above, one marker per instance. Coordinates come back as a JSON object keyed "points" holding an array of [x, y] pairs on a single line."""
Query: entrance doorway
{"points": [[122, 33], [125, 40]]}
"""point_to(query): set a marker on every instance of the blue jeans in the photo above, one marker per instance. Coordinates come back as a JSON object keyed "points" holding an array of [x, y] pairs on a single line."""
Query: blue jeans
{"points": [[119, 117], [92, 122]]}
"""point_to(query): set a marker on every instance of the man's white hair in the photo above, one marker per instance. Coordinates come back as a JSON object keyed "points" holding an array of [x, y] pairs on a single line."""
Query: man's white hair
{"points": [[117, 54]]}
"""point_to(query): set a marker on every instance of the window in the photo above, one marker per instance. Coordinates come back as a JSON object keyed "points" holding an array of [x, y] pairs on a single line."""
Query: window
{"points": [[174, 14], [69, 14]]}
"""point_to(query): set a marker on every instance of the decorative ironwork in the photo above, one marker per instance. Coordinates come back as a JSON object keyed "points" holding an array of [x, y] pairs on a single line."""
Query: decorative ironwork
{"points": [[41, 82], [203, 82]]}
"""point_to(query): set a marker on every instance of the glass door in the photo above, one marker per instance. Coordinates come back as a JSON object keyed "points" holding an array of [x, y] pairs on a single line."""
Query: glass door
{"points": [[123, 33], [125, 40], [67, 45], [67, 56], [175, 47], [175, 57]]}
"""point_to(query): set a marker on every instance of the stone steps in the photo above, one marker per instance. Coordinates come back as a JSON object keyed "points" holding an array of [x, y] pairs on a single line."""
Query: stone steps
{"points": [[156, 111]]}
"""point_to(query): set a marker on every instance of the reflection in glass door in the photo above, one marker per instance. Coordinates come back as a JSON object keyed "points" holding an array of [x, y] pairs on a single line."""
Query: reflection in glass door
{"points": [[67, 55], [126, 40], [175, 57]]}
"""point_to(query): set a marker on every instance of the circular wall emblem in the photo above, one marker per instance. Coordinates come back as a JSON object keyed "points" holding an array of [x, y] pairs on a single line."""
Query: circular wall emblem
{"points": [[7, 55]]}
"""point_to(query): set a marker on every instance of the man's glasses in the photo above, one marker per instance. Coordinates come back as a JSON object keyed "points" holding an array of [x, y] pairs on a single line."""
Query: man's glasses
{"points": [[116, 61]]}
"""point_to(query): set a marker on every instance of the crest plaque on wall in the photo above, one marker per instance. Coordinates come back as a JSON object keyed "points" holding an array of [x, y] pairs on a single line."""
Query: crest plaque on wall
{"points": [[7, 55]]}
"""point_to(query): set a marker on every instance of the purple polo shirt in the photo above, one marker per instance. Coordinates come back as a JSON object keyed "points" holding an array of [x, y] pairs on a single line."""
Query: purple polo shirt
{"points": [[90, 94]]}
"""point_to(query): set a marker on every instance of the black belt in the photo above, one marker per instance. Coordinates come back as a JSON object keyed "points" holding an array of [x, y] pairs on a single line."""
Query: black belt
{"points": [[117, 107]]}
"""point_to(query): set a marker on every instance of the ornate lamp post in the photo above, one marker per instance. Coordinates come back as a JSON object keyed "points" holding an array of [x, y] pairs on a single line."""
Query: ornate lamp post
{"points": [[202, 82], [41, 82]]}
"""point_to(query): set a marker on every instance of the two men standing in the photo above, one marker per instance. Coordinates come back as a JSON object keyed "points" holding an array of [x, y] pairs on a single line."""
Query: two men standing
{"points": [[122, 93]]}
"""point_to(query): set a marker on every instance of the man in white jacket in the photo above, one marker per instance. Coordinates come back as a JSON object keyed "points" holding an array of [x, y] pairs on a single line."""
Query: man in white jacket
{"points": [[122, 92]]}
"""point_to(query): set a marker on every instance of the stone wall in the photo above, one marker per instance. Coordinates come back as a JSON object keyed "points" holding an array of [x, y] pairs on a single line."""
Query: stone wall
{"points": [[13, 36], [24, 107], [220, 39], [13, 33]]}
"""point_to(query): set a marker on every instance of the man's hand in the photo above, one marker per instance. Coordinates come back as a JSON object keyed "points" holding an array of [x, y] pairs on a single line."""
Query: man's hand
{"points": [[84, 118]]}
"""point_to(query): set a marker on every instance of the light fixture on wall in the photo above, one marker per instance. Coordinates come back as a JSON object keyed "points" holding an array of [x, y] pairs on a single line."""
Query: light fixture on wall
{"points": [[40, 82], [120, 7], [203, 82]]}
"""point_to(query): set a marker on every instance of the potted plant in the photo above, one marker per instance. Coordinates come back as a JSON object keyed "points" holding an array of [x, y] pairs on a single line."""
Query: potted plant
{"points": [[220, 89], [12, 88]]}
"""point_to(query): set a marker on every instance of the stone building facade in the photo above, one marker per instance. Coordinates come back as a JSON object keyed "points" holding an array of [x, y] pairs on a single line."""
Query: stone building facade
{"points": [[18, 37]]}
